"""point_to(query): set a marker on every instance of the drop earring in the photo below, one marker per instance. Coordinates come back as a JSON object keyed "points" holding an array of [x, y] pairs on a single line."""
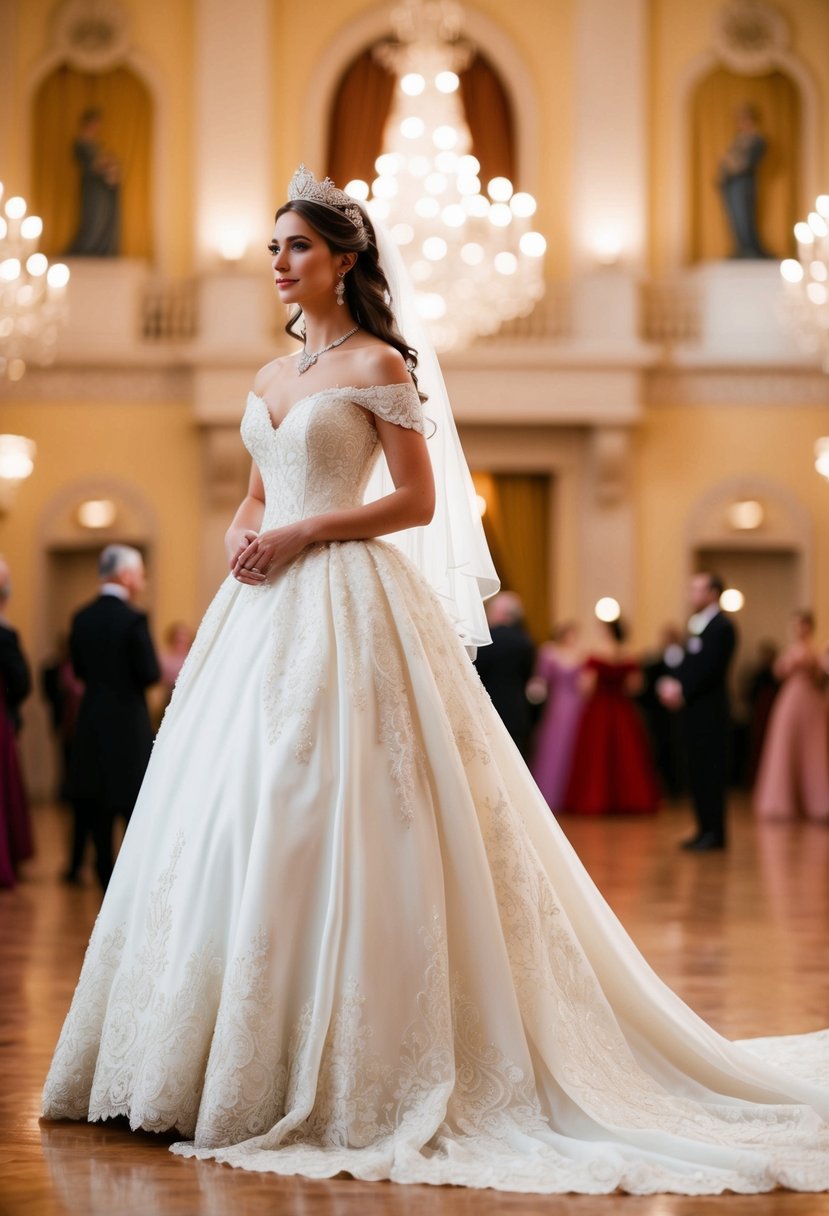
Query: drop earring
{"points": [[339, 290]]}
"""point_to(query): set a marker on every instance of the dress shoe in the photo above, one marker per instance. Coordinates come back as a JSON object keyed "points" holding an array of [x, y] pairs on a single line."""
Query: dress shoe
{"points": [[705, 842]]}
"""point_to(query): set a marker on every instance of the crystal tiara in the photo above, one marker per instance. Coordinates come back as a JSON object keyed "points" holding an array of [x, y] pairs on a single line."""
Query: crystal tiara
{"points": [[304, 186]]}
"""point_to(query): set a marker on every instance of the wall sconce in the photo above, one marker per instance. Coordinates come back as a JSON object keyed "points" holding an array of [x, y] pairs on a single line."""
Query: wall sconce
{"points": [[97, 513], [732, 600], [17, 461], [232, 243], [822, 456], [607, 609], [746, 514], [606, 247]]}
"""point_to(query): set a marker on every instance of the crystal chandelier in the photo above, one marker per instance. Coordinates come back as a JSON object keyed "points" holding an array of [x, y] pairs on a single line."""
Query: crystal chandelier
{"points": [[32, 293], [807, 281], [470, 250]]}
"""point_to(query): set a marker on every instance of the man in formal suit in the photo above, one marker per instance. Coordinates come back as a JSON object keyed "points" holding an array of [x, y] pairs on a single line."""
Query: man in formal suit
{"points": [[700, 688], [113, 654], [506, 666]]}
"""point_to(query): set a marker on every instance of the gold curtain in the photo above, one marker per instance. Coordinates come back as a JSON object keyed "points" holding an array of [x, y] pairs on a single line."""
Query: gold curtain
{"points": [[712, 130], [361, 110], [358, 119], [126, 131], [517, 527], [489, 116]]}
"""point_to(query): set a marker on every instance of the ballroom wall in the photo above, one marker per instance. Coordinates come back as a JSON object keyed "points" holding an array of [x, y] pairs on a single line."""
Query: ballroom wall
{"points": [[638, 430]]}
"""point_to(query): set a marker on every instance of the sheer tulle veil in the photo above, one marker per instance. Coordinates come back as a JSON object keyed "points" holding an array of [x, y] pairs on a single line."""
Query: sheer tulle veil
{"points": [[451, 551]]}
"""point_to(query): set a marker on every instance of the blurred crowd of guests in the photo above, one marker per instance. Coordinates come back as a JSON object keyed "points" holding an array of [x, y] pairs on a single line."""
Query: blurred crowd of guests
{"points": [[96, 689], [609, 732], [605, 731]]}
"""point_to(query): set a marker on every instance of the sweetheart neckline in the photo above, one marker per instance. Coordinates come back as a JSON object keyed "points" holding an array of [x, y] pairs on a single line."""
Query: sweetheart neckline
{"points": [[338, 388]]}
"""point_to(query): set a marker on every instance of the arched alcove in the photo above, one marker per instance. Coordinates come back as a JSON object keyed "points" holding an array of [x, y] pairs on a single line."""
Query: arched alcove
{"points": [[127, 122], [491, 41], [362, 101], [715, 101], [675, 197]]}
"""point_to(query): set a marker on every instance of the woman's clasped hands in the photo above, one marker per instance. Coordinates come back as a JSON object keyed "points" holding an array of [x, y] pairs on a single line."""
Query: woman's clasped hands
{"points": [[259, 554]]}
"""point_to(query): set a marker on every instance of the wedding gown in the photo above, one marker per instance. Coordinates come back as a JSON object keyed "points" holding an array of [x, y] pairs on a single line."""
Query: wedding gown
{"points": [[344, 932]]}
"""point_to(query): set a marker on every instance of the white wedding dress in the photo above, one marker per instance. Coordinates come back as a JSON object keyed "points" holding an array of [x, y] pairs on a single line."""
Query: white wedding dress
{"points": [[344, 932]]}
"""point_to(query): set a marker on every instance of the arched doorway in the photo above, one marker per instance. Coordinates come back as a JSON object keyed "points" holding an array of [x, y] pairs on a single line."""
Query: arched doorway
{"points": [[67, 577]]}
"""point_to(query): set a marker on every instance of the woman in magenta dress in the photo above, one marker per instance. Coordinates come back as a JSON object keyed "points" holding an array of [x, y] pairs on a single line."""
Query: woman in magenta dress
{"points": [[794, 766], [612, 770], [558, 674]]}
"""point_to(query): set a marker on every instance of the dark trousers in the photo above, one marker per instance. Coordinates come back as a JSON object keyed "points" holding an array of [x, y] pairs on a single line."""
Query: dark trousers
{"points": [[91, 818], [707, 745]]}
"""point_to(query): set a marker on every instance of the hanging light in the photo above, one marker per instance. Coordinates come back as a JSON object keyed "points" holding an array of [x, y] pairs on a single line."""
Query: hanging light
{"points": [[470, 247], [32, 293], [806, 281]]}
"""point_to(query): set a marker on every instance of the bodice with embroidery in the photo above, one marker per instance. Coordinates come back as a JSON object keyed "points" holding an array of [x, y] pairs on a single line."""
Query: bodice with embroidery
{"points": [[321, 455]]}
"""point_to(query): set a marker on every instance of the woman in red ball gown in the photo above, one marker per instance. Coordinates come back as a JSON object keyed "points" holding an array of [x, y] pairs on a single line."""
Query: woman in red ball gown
{"points": [[612, 770]]}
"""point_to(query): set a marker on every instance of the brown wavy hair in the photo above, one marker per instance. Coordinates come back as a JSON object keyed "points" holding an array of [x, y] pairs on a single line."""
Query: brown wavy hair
{"points": [[366, 289]]}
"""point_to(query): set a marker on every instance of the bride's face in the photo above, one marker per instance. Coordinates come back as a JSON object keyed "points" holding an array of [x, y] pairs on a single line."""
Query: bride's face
{"points": [[304, 268]]}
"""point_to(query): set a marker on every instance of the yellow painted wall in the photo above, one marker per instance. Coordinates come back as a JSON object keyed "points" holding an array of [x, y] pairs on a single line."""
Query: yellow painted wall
{"points": [[162, 37], [152, 447], [681, 33], [682, 453]]}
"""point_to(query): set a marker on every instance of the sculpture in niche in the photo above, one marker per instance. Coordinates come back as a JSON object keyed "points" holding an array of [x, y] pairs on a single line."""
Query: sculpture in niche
{"points": [[98, 233], [737, 182]]}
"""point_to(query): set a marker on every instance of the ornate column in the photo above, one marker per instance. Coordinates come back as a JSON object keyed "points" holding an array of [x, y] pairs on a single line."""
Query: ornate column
{"points": [[232, 127], [233, 217], [610, 169]]}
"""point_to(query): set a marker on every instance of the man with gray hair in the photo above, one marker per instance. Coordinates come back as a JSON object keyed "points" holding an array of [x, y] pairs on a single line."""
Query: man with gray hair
{"points": [[113, 654]]}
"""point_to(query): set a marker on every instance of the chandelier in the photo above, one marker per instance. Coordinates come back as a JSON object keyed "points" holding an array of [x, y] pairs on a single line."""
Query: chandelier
{"points": [[32, 293], [469, 248], [807, 281]]}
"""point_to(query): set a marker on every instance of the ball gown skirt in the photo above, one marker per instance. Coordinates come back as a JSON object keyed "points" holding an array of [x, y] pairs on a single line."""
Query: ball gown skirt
{"points": [[612, 770], [344, 932], [794, 764]]}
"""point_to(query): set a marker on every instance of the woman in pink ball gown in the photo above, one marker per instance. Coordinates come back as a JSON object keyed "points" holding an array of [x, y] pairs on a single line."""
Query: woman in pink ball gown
{"points": [[794, 766]]}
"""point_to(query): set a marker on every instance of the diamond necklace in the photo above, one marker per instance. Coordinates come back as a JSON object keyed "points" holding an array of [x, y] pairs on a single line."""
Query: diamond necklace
{"points": [[307, 360]]}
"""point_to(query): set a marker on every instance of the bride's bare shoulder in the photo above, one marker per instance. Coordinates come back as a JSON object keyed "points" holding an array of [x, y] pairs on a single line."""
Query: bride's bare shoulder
{"points": [[378, 363], [270, 373]]}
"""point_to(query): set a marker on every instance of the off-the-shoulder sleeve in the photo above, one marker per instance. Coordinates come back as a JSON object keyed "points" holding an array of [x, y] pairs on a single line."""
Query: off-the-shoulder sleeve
{"points": [[397, 403]]}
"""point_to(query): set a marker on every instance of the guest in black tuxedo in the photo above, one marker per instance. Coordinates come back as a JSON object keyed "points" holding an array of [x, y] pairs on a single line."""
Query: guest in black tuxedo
{"points": [[506, 666], [700, 686], [113, 654]]}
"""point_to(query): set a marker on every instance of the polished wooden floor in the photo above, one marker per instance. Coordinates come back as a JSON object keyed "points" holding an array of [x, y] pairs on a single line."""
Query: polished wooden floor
{"points": [[742, 936]]}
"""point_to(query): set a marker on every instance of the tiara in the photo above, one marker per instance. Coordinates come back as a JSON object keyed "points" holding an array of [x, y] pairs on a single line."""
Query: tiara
{"points": [[304, 186]]}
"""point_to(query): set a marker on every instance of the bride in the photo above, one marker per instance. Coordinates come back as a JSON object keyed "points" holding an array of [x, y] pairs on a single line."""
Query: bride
{"points": [[344, 932]]}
